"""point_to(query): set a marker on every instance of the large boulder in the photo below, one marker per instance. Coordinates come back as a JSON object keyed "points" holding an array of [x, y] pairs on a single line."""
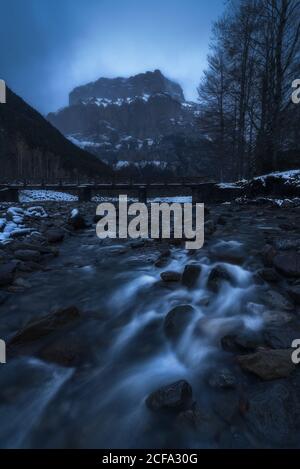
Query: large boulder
{"points": [[46, 325], [268, 364], [177, 320], [65, 351], [175, 396], [217, 277], [288, 264]]}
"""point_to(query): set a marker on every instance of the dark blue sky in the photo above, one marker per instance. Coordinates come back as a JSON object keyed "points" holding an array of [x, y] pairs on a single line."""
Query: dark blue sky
{"points": [[50, 46]]}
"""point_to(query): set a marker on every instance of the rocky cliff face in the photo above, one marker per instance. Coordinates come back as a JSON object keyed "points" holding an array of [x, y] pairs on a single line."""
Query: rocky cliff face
{"points": [[30, 147], [135, 121], [112, 90]]}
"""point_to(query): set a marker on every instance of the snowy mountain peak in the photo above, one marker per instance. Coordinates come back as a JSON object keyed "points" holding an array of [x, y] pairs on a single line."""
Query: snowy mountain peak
{"points": [[122, 89]]}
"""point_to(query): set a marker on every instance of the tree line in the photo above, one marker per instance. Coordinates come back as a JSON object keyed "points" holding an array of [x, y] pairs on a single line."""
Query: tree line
{"points": [[245, 94]]}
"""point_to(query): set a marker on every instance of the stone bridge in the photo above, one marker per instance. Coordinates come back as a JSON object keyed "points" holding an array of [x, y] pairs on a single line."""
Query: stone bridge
{"points": [[200, 192]]}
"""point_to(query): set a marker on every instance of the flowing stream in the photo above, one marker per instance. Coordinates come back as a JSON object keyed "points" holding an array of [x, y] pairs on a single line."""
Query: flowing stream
{"points": [[102, 404]]}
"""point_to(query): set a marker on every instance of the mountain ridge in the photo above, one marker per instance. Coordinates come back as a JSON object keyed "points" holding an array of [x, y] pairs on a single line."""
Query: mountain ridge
{"points": [[141, 120], [32, 148]]}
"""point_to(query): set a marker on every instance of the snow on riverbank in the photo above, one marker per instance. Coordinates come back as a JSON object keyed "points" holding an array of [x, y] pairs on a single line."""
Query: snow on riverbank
{"points": [[12, 223], [34, 195]]}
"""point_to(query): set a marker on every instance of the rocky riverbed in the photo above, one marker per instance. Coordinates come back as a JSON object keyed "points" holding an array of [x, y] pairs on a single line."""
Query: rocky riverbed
{"points": [[144, 344]]}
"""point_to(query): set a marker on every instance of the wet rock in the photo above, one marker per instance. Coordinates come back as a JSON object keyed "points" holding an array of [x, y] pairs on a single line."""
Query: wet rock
{"points": [[55, 236], [277, 301], [76, 220], [294, 293], [29, 267], [228, 407], [288, 264], [27, 255], [268, 254], [269, 275], [287, 227], [268, 364], [206, 424], [222, 379], [227, 252], [191, 275], [3, 297], [161, 262], [209, 228], [137, 244], [66, 351], [281, 337], [273, 415], [175, 396], [42, 327], [217, 276], [277, 318], [163, 259], [21, 282], [170, 277], [245, 341], [177, 320], [7, 273]]}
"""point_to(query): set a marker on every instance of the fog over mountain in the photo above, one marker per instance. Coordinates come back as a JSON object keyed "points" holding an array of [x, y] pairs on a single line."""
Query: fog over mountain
{"points": [[55, 46]]}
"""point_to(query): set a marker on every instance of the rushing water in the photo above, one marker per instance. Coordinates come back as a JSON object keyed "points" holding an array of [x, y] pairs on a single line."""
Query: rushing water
{"points": [[103, 403]]}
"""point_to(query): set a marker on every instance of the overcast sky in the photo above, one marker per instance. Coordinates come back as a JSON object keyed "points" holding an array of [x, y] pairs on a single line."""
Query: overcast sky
{"points": [[50, 46]]}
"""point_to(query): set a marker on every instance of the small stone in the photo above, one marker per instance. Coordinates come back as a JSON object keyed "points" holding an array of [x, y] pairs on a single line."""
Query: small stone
{"points": [[175, 396], [76, 220], [21, 282], [223, 379], [170, 277], [55, 236]]}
